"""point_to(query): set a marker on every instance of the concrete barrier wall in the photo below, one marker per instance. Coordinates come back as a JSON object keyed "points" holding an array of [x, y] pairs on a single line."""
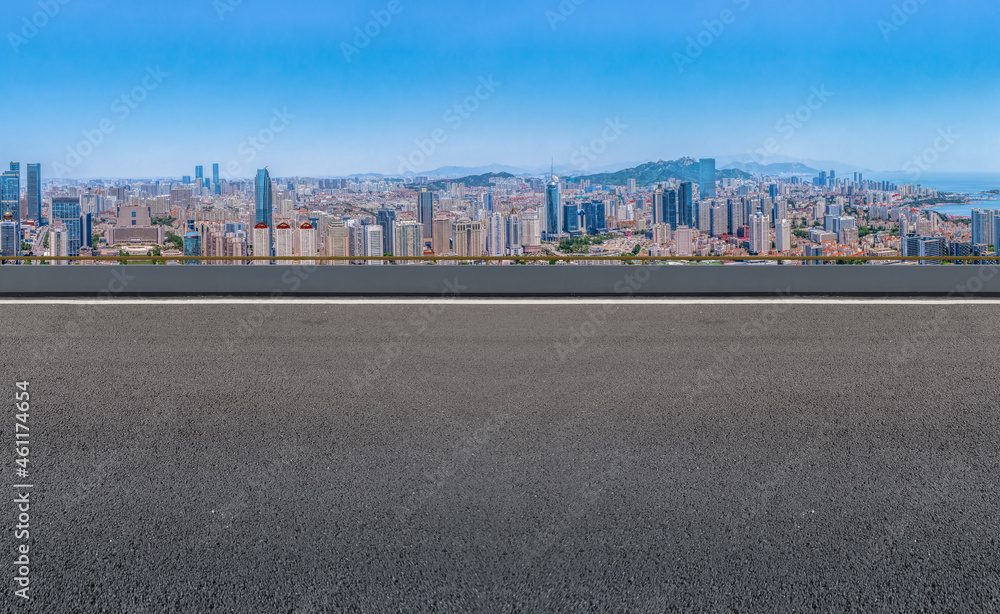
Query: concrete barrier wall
{"points": [[458, 280]]}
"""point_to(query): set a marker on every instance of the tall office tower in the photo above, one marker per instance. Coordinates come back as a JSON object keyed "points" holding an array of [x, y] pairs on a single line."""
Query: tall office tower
{"points": [[66, 211], [686, 205], [261, 242], [982, 227], [10, 193], [783, 235], [553, 209], [217, 189], [496, 235], [264, 202], [596, 217], [781, 210], [199, 177], [833, 177], [720, 220], [468, 238], [683, 243], [284, 240], [441, 241], [571, 220], [703, 215], [513, 233], [659, 213], [631, 186], [338, 241], [192, 246], [531, 230], [760, 234], [387, 220], [86, 229], [995, 225], [488, 201], [409, 240], [671, 209], [425, 212], [10, 244], [33, 204], [373, 242], [707, 178], [772, 191], [59, 243], [307, 243]]}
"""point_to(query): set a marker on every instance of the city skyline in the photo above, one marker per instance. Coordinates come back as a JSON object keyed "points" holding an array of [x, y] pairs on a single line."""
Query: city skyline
{"points": [[441, 84]]}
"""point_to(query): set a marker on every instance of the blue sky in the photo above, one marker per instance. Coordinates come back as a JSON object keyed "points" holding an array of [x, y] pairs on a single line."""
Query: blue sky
{"points": [[561, 72]]}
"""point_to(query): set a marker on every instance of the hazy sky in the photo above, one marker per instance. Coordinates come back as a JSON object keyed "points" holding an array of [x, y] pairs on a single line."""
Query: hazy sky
{"points": [[209, 75]]}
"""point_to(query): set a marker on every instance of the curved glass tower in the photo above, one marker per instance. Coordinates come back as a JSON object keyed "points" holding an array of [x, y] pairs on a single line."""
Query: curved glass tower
{"points": [[553, 209], [264, 204]]}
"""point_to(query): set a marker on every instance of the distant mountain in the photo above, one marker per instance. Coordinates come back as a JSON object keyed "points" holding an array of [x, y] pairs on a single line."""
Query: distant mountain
{"points": [[777, 168], [684, 169], [477, 181], [450, 172]]}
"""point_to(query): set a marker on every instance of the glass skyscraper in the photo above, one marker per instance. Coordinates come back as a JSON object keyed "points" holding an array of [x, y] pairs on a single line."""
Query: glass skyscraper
{"points": [[192, 246], [387, 220], [10, 193], [707, 179], [553, 209], [66, 212], [686, 211], [34, 198], [670, 210], [215, 179], [264, 205], [425, 211]]}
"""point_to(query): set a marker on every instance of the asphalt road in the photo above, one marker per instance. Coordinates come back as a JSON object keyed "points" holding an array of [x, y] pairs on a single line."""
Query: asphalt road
{"points": [[458, 458]]}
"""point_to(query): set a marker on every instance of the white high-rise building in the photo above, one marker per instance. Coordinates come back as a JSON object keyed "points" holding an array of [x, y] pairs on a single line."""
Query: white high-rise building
{"points": [[261, 247], [760, 234], [307, 243], [514, 247], [337, 241], [496, 237], [409, 240], [783, 235], [284, 241], [683, 241], [531, 230], [373, 243], [59, 243]]}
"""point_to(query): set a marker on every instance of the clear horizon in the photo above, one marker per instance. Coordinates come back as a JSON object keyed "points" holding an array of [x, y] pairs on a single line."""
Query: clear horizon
{"points": [[387, 87]]}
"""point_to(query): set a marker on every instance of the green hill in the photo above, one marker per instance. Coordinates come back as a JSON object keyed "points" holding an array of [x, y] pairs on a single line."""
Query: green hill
{"points": [[684, 169]]}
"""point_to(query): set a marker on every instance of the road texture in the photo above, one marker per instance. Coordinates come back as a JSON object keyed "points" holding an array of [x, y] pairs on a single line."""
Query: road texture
{"points": [[507, 458]]}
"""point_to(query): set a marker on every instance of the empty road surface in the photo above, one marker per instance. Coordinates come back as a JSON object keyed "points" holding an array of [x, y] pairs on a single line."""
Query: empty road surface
{"points": [[472, 457]]}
